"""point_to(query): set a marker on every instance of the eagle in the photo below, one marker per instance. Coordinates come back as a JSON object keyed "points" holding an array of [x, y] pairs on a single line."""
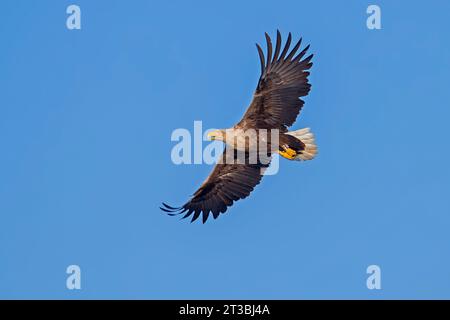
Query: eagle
{"points": [[275, 106]]}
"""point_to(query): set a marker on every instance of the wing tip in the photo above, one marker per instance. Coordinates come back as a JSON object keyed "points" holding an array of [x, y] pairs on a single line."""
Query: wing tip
{"points": [[171, 211], [261, 58], [196, 212]]}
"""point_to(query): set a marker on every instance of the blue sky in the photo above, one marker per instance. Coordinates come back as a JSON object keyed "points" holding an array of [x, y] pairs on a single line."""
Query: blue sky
{"points": [[85, 124]]}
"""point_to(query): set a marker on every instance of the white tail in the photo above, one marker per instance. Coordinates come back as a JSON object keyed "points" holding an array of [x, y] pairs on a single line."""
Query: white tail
{"points": [[307, 137]]}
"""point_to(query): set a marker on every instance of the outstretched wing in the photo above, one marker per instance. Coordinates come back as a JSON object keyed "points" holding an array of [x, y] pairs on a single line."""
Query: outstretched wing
{"points": [[225, 184], [276, 102]]}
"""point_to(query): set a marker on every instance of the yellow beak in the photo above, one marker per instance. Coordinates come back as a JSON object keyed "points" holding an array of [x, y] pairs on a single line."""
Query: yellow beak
{"points": [[212, 135]]}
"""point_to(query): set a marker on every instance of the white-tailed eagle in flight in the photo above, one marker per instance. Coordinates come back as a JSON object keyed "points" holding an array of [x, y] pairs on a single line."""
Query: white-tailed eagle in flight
{"points": [[275, 106]]}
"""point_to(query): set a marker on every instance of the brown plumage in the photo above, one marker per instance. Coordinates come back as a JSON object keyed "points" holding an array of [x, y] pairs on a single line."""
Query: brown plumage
{"points": [[276, 104], [283, 81]]}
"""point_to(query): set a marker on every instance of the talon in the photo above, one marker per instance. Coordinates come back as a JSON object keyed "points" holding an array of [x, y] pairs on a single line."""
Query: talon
{"points": [[291, 152], [286, 155]]}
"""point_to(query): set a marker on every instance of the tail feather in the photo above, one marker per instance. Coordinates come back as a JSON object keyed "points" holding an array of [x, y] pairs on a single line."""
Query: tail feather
{"points": [[307, 137]]}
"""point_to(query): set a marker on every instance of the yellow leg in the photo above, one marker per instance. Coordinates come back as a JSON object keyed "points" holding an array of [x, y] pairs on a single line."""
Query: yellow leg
{"points": [[288, 154]]}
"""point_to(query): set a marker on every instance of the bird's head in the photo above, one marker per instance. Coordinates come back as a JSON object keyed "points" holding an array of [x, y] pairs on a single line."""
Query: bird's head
{"points": [[217, 135]]}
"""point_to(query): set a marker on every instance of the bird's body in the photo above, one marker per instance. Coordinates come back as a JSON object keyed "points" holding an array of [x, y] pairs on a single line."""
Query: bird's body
{"points": [[290, 145], [261, 133]]}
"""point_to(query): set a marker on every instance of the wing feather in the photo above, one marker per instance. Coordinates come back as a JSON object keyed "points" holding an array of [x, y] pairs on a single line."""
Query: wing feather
{"points": [[269, 50], [286, 47], [284, 80], [261, 57], [277, 47], [226, 184]]}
